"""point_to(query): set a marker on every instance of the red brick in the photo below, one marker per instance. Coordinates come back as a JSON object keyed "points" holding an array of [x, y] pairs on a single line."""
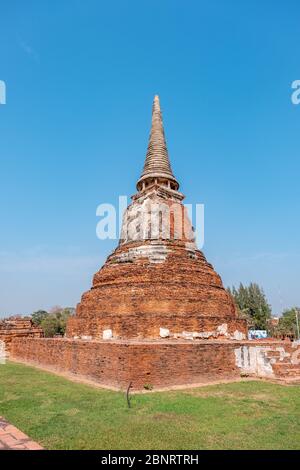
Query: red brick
{"points": [[15, 432], [9, 440], [11, 328]]}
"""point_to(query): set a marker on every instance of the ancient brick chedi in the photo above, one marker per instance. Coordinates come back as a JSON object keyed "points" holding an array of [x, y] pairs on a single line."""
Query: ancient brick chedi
{"points": [[157, 283], [157, 314]]}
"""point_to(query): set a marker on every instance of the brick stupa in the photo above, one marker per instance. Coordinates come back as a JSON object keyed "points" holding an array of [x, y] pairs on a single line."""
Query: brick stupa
{"points": [[157, 283], [157, 315]]}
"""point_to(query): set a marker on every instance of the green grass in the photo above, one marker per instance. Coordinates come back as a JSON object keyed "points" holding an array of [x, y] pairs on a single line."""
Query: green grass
{"points": [[61, 414]]}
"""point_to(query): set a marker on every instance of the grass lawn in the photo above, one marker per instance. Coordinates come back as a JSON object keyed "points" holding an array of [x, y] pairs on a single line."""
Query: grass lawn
{"points": [[61, 414]]}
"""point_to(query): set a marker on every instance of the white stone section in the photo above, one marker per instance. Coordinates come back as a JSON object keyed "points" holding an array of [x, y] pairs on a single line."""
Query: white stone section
{"points": [[187, 335], [2, 352], [283, 353], [238, 335], [191, 249], [149, 218], [296, 356], [204, 334], [164, 332], [156, 253], [222, 329], [107, 334], [220, 332], [146, 220], [86, 337], [254, 360]]}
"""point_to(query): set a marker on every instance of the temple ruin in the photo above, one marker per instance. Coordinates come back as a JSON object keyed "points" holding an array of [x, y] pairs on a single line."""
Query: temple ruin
{"points": [[157, 314]]}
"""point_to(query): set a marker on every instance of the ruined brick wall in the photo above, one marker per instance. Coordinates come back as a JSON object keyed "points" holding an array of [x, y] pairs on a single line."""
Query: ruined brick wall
{"points": [[18, 328], [117, 363], [276, 359], [161, 363]]}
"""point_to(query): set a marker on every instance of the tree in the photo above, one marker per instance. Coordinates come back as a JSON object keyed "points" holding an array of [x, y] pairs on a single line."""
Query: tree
{"points": [[62, 318], [39, 316], [287, 325], [252, 304], [50, 326], [53, 323]]}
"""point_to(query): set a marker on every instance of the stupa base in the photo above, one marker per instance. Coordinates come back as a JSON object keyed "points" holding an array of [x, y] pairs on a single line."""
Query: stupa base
{"points": [[152, 326]]}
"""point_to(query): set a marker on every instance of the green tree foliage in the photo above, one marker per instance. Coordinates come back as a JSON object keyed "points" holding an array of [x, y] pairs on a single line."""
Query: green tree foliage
{"points": [[50, 326], [39, 316], [252, 304], [287, 325], [53, 323]]}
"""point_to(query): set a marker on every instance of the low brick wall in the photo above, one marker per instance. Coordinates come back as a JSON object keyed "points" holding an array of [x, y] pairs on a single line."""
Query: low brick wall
{"points": [[116, 363], [160, 363]]}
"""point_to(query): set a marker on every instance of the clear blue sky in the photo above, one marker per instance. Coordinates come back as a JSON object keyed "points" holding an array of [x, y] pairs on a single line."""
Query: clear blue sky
{"points": [[81, 76]]}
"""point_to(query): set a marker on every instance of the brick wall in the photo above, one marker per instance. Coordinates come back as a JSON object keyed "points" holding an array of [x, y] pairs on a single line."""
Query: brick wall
{"points": [[18, 328], [115, 364], [161, 363]]}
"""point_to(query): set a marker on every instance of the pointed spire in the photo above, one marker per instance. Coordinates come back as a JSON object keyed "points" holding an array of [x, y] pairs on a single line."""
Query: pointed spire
{"points": [[157, 163]]}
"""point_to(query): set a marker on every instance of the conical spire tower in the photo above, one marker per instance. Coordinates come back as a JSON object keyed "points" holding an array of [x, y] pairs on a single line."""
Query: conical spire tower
{"points": [[156, 280], [157, 167]]}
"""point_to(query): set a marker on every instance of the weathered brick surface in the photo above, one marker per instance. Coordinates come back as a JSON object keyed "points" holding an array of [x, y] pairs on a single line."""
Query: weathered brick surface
{"points": [[149, 326], [161, 363], [116, 363], [270, 359], [18, 328], [180, 285], [137, 297]]}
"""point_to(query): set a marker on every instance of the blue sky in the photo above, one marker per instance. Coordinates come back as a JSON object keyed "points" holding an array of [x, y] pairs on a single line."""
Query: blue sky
{"points": [[80, 78]]}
